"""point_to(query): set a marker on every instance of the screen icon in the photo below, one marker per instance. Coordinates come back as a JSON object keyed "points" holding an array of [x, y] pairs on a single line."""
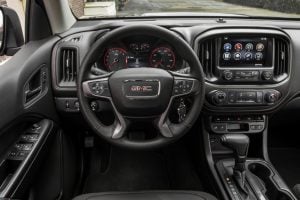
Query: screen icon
{"points": [[260, 47], [227, 47], [237, 56], [238, 46], [248, 56], [259, 56], [249, 46], [226, 56]]}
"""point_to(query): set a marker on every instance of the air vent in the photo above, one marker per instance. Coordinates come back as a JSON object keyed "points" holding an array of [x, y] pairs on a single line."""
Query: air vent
{"points": [[281, 59], [68, 66], [207, 56]]}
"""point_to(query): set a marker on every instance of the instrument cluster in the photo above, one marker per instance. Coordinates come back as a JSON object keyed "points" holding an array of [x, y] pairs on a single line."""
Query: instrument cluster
{"points": [[140, 51]]}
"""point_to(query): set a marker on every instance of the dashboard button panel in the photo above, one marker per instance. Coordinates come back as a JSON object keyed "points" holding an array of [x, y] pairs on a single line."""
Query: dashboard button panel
{"points": [[237, 124], [247, 75], [243, 97]]}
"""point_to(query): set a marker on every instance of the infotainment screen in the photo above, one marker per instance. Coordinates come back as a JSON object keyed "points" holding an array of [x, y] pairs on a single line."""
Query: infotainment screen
{"points": [[246, 52]]}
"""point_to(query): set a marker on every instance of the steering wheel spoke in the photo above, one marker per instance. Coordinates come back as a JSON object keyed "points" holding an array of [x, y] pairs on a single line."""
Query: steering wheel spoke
{"points": [[163, 123], [120, 125]]}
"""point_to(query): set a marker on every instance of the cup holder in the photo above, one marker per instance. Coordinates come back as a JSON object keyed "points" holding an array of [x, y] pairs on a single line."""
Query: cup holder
{"points": [[266, 174]]}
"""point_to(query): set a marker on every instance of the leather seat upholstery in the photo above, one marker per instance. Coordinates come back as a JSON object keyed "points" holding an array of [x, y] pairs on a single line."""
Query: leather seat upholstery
{"points": [[148, 195]]}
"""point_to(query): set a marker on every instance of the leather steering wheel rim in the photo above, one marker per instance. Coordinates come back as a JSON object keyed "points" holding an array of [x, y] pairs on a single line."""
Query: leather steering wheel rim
{"points": [[187, 54]]}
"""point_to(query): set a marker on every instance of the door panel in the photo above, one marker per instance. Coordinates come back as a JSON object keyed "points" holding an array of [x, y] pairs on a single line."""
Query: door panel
{"points": [[15, 76]]}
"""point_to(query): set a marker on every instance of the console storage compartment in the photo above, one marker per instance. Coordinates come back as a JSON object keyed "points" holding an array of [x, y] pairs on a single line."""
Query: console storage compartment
{"points": [[275, 189], [261, 176]]}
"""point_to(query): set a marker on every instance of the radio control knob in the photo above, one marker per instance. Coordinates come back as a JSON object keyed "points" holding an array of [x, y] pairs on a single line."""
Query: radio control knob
{"points": [[219, 97], [271, 97], [228, 75]]}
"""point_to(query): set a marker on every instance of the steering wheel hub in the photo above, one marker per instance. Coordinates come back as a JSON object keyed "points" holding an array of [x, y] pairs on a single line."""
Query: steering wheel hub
{"points": [[141, 92]]}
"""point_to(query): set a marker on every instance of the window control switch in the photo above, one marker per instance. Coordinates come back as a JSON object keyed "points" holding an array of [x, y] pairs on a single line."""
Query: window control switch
{"points": [[24, 147], [30, 137]]}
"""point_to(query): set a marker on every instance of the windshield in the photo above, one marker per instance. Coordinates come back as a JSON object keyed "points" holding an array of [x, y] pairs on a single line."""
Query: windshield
{"points": [[140, 8]]}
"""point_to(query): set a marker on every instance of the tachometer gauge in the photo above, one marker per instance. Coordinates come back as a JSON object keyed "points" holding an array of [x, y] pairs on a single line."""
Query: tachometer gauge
{"points": [[115, 59], [162, 57]]}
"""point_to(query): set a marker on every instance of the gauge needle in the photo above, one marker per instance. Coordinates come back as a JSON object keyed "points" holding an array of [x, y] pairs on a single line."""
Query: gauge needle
{"points": [[159, 62], [113, 63]]}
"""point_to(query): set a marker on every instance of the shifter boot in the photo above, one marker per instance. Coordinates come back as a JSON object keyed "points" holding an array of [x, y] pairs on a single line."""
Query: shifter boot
{"points": [[242, 185]]}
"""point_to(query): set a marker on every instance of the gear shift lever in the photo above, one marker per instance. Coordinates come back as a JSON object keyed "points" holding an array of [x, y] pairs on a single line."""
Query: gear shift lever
{"points": [[239, 143]]}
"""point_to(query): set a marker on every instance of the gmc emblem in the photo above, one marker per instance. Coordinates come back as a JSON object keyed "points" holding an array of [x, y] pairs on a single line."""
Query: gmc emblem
{"points": [[141, 89], [144, 88]]}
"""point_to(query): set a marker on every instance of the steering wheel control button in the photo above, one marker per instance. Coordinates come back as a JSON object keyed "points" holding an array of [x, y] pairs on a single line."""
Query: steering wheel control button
{"points": [[99, 88], [182, 86], [94, 106]]}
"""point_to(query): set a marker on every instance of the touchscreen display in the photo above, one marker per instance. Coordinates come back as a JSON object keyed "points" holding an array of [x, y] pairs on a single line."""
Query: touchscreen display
{"points": [[246, 52]]}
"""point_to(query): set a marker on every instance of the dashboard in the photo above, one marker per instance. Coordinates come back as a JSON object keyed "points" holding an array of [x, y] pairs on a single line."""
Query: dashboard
{"points": [[246, 69], [136, 52]]}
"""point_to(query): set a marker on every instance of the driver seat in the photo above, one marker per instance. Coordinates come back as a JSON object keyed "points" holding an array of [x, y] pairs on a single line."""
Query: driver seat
{"points": [[148, 195]]}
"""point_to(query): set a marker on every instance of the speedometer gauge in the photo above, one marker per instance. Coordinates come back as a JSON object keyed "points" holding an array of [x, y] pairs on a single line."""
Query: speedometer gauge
{"points": [[162, 57], [115, 59]]}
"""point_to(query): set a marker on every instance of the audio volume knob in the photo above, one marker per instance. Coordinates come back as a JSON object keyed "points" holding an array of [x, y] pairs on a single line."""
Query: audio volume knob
{"points": [[228, 75], [271, 97], [219, 97]]}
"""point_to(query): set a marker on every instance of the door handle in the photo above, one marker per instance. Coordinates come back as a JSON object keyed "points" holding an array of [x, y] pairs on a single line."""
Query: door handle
{"points": [[30, 94]]}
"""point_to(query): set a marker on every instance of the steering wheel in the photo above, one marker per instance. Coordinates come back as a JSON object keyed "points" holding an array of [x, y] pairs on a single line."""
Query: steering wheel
{"points": [[141, 93]]}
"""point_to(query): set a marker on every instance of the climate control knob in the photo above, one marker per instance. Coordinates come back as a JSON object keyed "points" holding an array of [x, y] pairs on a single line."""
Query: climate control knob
{"points": [[267, 75], [228, 75], [271, 97]]}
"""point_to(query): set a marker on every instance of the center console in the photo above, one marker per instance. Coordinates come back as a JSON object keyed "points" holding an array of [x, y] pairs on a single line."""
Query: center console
{"points": [[249, 179], [247, 74], [236, 150]]}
